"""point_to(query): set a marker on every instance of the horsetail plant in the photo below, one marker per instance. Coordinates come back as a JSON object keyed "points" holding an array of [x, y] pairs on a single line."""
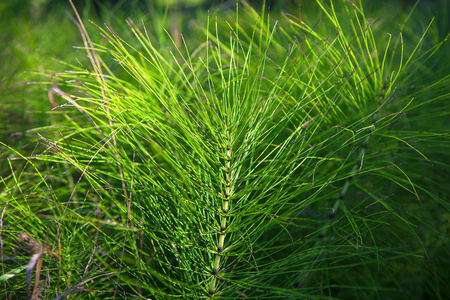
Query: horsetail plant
{"points": [[258, 164]]}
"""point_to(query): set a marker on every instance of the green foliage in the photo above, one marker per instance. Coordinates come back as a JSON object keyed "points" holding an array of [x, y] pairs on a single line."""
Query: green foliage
{"points": [[276, 158]]}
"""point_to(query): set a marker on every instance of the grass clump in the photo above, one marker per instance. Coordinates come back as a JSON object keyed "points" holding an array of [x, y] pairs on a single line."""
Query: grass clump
{"points": [[271, 160]]}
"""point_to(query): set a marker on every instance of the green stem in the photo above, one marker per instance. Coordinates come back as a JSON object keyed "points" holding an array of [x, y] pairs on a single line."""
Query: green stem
{"points": [[223, 222]]}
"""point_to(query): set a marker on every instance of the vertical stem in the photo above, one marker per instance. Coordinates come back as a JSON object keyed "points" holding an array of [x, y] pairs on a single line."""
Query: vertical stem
{"points": [[223, 222], [358, 162]]}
